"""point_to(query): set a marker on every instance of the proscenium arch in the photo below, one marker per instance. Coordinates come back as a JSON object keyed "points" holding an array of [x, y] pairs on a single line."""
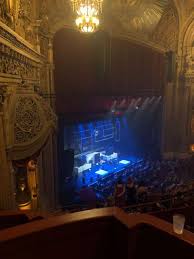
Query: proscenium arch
{"points": [[188, 33], [61, 25]]}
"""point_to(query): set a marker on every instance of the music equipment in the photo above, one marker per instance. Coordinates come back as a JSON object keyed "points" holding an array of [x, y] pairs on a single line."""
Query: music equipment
{"points": [[82, 168], [68, 162], [97, 158]]}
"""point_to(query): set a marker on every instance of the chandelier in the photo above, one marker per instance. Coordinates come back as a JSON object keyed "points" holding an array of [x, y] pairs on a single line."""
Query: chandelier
{"points": [[87, 14]]}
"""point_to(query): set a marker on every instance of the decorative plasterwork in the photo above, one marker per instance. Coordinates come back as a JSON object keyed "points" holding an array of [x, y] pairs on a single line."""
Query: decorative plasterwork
{"points": [[20, 15], [18, 60], [5, 12], [137, 15], [133, 19], [30, 120], [2, 96], [10, 37], [186, 51], [167, 31], [16, 64]]}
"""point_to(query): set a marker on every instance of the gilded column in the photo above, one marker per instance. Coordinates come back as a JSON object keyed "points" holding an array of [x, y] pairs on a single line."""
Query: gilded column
{"points": [[6, 174], [50, 69]]}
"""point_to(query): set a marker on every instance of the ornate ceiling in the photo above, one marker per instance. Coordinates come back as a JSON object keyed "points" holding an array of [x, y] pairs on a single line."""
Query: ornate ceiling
{"points": [[129, 15], [137, 15], [140, 18]]}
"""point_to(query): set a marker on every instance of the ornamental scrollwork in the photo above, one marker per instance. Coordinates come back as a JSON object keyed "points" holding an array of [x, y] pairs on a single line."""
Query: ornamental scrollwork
{"points": [[16, 64], [24, 24], [2, 95], [5, 14], [17, 43], [48, 113], [28, 123], [32, 115], [166, 32]]}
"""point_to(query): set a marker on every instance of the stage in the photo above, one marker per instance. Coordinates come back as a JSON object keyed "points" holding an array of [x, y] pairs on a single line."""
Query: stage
{"points": [[99, 149], [99, 171]]}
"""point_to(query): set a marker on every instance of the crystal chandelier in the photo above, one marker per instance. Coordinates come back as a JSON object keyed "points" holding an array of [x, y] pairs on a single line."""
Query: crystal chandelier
{"points": [[87, 14]]}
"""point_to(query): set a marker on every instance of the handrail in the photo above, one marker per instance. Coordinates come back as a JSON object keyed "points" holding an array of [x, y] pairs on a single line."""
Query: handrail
{"points": [[171, 200], [76, 206], [129, 221]]}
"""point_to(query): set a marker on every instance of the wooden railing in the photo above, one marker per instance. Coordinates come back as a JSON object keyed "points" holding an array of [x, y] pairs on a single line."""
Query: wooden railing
{"points": [[100, 233], [167, 203], [10, 219]]}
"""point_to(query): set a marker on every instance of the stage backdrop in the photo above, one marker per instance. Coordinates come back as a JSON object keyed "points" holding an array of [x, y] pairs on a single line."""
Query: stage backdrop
{"points": [[97, 65]]}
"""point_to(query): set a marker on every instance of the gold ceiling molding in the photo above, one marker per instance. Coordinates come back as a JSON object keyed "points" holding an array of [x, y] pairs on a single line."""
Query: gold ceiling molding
{"points": [[139, 16], [166, 32], [127, 17]]}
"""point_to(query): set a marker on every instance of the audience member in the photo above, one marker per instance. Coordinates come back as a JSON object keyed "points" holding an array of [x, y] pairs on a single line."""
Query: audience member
{"points": [[119, 194], [130, 192]]}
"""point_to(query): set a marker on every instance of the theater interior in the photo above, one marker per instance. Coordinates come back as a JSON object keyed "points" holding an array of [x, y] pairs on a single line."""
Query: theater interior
{"points": [[97, 129]]}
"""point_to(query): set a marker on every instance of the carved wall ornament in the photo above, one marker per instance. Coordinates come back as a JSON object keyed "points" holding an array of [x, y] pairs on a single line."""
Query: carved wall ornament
{"points": [[189, 80], [28, 123], [16, 64], [48, 113], [167, 30], [137, 15], [2, 95], [5, 12], [32, 114], [25, 20], [17, 43]]}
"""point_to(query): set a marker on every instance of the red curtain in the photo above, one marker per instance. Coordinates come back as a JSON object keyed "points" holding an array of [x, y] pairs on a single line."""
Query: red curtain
{"points": [[87, 66]]}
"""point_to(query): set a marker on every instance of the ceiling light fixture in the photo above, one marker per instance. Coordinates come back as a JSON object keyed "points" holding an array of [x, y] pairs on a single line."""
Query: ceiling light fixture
{"points": [[87, 14]]}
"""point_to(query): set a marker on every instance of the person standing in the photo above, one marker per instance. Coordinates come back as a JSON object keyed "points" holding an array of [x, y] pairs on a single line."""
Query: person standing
{"points": [[130, 192], [119, 194]]}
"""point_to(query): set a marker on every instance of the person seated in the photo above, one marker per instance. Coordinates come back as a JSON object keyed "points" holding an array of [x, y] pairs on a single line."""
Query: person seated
{"points": [[142, 193], [88, 197], [130, 192], [119, 194], [110, 201]]}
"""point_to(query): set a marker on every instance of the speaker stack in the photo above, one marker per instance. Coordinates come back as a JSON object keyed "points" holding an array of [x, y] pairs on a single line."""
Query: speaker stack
{"points": [[68, 162]]}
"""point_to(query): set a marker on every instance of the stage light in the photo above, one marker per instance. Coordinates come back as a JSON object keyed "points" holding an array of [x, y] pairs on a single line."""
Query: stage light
{"points": [[192, 148], [113, 107], [137, 107]]}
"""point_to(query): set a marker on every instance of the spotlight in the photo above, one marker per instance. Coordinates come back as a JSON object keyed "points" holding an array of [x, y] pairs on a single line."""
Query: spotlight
{"points": [[113, 107], [137, 107]]}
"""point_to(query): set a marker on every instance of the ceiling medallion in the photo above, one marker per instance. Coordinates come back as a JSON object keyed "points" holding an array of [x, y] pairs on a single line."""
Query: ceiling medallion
{"points": [[87, 14]]}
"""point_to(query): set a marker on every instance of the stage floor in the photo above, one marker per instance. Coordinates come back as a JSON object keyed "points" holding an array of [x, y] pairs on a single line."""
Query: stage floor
{"points": [[97, 172]]}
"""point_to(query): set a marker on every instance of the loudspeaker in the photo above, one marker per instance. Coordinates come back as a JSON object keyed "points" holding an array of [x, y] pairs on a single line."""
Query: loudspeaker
{"points": [[68, 162], [171, 65]]}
